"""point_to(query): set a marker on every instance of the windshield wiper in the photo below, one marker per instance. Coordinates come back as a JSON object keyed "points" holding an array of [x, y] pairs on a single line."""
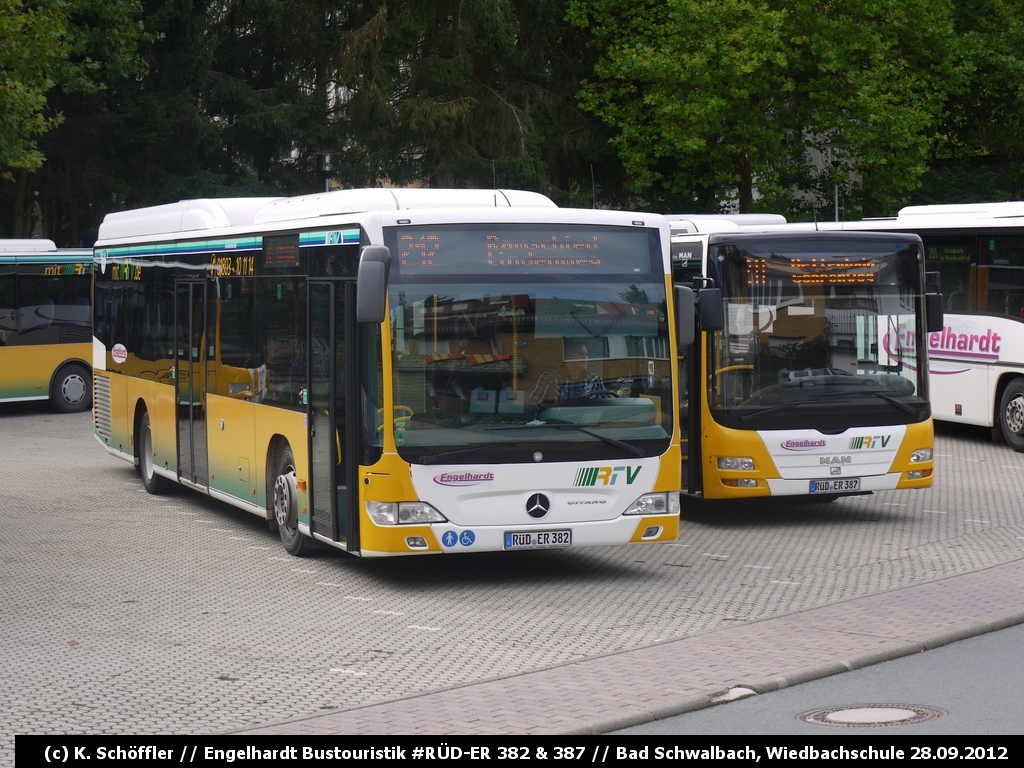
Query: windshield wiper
{"points": [[767, 409], [635, 450], [431, 458], [854, 392], [898, 403]]}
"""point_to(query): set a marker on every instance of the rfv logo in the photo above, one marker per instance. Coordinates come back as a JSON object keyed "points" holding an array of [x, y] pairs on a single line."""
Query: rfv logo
{"points": [[868, 442], [606, 475]]}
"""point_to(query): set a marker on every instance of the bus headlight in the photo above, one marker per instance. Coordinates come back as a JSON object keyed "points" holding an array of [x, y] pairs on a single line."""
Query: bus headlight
{"points": [[403, 513], [415, 512], [655, 504], [922, 454], [736, 463]]}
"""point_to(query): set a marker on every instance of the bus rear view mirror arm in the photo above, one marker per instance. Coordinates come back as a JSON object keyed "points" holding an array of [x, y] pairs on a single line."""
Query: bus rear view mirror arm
{"points": [[372, 285]]}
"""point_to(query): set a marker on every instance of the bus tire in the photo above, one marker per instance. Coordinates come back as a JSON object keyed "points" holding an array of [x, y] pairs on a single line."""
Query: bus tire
{"points": [[286, 505], [1011, 414], [154, 483], [71, 390]]}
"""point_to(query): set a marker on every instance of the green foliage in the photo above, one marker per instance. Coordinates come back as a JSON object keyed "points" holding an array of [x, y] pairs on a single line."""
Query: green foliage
{"points": [[34, 48], [738, 95], [675, 105]]}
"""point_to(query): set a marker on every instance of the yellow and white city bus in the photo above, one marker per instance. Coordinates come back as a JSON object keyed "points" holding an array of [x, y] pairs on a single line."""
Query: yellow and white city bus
{"points": [[395, 371], [809, 375], [45, 315]]}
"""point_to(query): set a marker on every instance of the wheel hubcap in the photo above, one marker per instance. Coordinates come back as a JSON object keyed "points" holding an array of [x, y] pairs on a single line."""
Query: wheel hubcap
{"points": [[73, 389], [284, 500], [1015, 415]]}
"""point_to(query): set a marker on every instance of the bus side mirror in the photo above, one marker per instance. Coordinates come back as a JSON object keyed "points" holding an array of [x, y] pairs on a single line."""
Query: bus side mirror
{"points": [[684, 316], [372, 284], [709, 300], [933, 311]]}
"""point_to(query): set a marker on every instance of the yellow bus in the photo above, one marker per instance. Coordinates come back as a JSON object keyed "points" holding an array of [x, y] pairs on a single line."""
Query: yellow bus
{"points": [[396, 372], [45, 316], [809, 376]]}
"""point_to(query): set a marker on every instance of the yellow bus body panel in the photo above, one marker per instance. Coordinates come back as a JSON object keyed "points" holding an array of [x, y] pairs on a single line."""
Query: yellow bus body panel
{"points": [[390, 479], [26, 372], [921, 435], [271, 421], [163, 420], [231, 430], [668, 523], [716, 441]]}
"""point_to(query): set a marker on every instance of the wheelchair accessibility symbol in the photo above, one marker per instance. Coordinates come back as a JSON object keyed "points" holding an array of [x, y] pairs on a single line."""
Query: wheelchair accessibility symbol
{"points": [[451, 538]]}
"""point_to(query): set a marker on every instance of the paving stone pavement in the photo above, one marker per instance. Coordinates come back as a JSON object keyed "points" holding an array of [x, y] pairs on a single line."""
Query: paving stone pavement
{"points": [[632, 687], [126, 613]]}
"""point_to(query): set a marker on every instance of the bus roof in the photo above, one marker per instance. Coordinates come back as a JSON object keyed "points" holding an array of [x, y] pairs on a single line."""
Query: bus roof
{"points": [[39, 250], [193, 216], [720, 222], [27, 246], [1014, 209]]}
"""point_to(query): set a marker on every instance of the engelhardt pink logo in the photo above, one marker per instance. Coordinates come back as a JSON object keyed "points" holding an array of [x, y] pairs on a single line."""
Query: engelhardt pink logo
{"points": [[802, 445], [462, 479]]}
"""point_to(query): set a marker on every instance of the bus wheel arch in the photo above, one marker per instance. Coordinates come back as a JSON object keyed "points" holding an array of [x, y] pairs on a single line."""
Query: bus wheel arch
{"points": [[282, 497], [71, 388], [1011, 413]]}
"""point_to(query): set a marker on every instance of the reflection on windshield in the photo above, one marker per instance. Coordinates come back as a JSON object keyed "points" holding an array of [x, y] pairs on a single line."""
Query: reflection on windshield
{"points": [[469, 361], [836, 332]]}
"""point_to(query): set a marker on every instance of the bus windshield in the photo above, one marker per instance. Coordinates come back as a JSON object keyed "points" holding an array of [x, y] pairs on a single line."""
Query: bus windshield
{"points": [[523, 344], [818, 334]]}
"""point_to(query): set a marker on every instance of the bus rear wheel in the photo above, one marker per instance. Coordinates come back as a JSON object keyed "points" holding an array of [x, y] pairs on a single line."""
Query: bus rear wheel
{"points": [[1011, 414], [286, 505], [71, 391], [154, 483]]}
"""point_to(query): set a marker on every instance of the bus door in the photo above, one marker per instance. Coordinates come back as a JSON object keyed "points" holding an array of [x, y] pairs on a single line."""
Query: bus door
{"points": [[333, 454], [190, 375]]}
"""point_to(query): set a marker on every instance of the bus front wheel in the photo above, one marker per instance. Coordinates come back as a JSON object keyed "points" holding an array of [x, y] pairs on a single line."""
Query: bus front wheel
{"points": [[1011, 414], [154, 483], [286, 505], [71, 391]]}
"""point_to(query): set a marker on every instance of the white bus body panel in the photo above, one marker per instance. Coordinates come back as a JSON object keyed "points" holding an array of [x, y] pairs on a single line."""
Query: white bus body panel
{"points": [[487, 493], [491, 500], [967, 359], [802, 455]]}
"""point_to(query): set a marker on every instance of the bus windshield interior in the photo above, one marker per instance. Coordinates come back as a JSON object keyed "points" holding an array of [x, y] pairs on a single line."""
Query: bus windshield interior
{"points": [[817, 333], [531, 362]]}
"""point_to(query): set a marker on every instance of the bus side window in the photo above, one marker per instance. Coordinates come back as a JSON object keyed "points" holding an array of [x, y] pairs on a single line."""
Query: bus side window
{"points": [[8, 310]]}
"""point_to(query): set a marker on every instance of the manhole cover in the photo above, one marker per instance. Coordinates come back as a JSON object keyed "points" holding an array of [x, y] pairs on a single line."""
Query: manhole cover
{"points": [[871, 715]]}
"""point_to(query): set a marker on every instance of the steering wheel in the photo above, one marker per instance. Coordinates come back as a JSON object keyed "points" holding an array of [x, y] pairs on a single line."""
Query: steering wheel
{"points": [[408, 411]]}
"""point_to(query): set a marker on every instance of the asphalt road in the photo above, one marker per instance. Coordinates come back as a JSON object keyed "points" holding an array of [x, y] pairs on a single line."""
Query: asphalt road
{"points": [[977, 686], [128, 613]]}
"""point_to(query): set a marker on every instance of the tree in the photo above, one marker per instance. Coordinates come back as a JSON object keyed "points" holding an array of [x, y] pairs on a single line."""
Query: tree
{"points": [[34, 45], [474, 93], [56, 54], [977, 150], [714, 102]]}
